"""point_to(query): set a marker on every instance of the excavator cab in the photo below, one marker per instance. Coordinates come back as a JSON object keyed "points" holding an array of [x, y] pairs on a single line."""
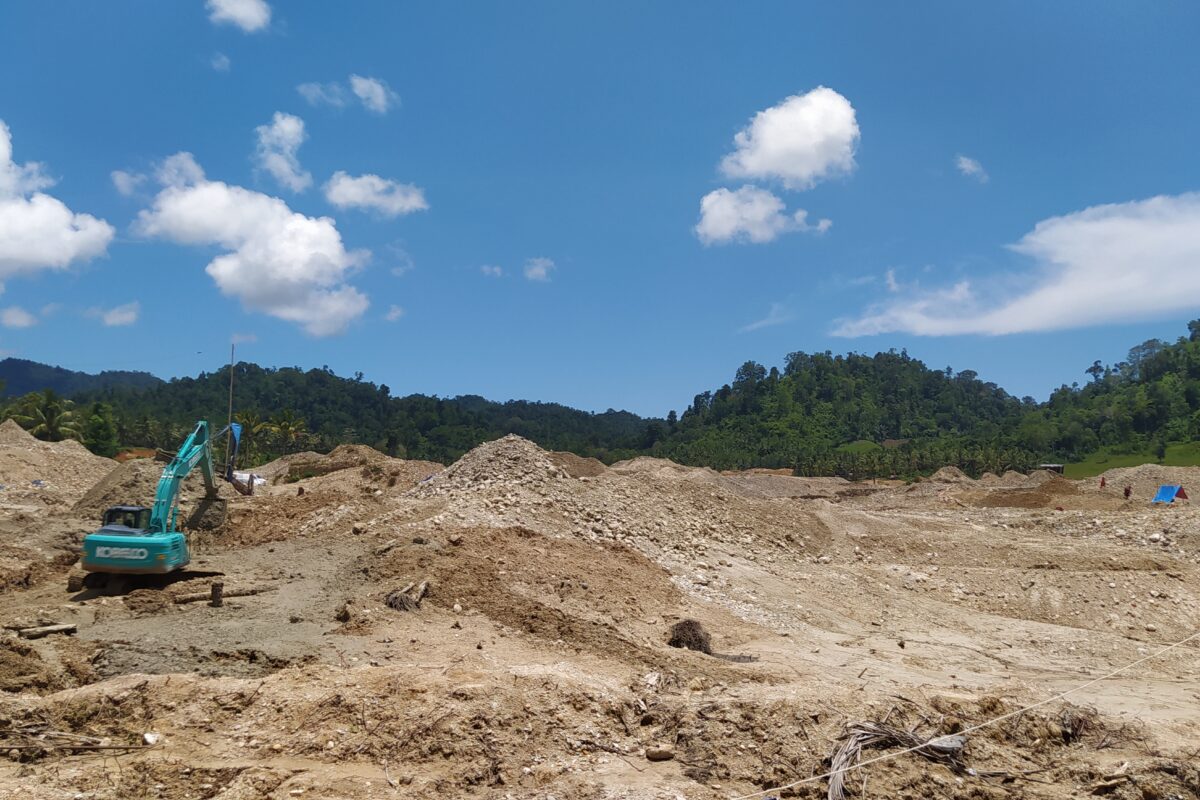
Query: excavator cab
{"points": [[135, 519]]}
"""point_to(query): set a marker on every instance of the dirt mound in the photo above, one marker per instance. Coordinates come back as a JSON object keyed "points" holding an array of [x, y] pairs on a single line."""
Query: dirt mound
{"points": [[949, 475], [1053, 492], [646, 464], [510, 461], [602, 597], [1146, 478], [135, 482], [275, 471], [1013, 478], [577, 466], [298, 466], [12, 433], [47, 473], [1040, 476], [767, 484]]}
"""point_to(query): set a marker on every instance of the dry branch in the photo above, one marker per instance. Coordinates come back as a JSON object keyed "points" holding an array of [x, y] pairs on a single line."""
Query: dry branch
{"points": [[862, 735], [402, 600]]}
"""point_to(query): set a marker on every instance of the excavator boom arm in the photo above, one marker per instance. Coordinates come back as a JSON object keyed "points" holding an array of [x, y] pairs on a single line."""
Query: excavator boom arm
{"points": [[195, 451]]}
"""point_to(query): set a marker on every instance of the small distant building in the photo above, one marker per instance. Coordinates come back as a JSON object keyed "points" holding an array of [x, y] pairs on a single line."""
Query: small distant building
{"points": [[1052, 467]]}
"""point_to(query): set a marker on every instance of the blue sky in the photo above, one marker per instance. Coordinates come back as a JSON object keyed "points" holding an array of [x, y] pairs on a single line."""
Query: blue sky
{"points": [[1007, 189]]}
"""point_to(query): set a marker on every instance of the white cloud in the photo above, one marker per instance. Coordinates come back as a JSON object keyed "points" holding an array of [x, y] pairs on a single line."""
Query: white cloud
{"points": [[38, 231], [277, 147], [50, 309], [539, 269], [375, 94], [220, 62], [394, 313], [971, 168], [249, 15], [279, 262], [180, 169], [373, 192], [16, 317], [749, 214], [323, 94], [800, 142], [126, 183], [889, 279], [404, 260], [492, 271], [777, 314], [119, 316], [243, 338], [1106, 264]]}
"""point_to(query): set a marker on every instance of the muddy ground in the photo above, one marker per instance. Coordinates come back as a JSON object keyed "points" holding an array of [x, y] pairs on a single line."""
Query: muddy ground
{"points": [[536, 662]]}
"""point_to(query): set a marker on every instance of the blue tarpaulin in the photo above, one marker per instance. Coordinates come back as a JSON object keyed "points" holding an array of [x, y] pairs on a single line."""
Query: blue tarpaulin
{"points": [[1169, 494]]}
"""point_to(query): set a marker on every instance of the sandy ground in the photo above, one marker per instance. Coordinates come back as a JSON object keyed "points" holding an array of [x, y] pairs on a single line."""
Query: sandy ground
{"points": [[537, 664]]}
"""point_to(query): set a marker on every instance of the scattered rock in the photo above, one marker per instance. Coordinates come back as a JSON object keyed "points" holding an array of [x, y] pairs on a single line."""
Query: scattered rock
{"points": [[659, 752]]}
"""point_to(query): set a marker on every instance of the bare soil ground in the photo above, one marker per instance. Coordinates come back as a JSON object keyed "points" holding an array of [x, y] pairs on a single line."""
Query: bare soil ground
{"points": [[530, 659]]}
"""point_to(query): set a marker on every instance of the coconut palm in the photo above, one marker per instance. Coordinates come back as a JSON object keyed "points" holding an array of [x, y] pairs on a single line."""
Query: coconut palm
{"points": [[253, 428], [289, 428], [47, 416]]}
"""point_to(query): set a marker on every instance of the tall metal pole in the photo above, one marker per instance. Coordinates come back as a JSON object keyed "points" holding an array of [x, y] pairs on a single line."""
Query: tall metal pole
{"points": [[229, 434]]}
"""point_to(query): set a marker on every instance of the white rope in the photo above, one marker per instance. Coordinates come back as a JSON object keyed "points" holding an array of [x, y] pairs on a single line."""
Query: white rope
{"points": [[972, 728]]}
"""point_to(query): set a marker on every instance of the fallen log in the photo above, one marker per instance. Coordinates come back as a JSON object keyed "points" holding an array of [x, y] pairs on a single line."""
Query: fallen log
{"points": [[196, 597], [45, 630]]}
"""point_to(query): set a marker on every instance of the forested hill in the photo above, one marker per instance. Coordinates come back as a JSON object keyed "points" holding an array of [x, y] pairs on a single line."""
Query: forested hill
{"points": [[821, 402], [890, 414], [323, 410], [854, 415], [19, 376]]}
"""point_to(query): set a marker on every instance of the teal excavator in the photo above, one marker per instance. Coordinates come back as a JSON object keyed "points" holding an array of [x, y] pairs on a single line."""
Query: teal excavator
{"points": [[135, 540]]}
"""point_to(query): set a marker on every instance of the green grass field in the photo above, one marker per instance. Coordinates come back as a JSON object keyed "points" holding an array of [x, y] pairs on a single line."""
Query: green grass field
{"points": [[860, 446], [1178, 455]]}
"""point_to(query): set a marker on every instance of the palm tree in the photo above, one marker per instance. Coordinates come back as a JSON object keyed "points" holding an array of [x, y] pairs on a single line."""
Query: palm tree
{"points": [[47, 416], [289, 428], [253, 426]]}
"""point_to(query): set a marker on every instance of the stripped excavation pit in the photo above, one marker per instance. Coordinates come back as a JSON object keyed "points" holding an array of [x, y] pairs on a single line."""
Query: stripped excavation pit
{"points": [[504, 628]]}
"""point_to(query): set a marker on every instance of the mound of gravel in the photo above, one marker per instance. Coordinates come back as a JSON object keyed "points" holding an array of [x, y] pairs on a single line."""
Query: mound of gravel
{"points": [[1013, 478], [511, 461], [296, 466], [1040, 476], [578, 466], [949, 475]]}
